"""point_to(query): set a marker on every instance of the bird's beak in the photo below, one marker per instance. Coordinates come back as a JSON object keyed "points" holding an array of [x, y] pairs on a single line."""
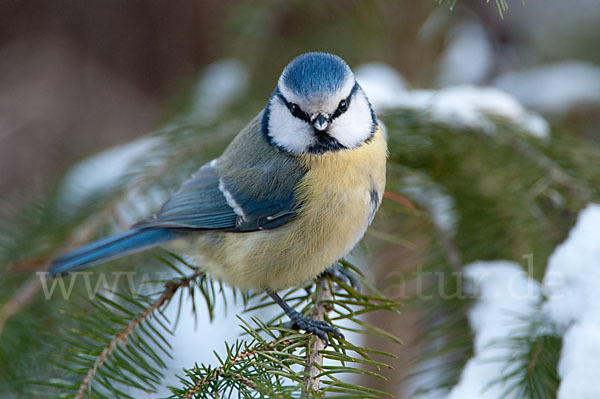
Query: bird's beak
{"points": [[320, 122]]}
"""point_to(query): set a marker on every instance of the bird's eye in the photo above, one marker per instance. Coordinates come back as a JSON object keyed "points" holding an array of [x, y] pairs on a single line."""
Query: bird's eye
{"points": [[295, 109], [343, 106]]}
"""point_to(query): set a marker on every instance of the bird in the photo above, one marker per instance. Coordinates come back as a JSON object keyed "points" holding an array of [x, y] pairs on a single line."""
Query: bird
{"points": [[292, 193]]}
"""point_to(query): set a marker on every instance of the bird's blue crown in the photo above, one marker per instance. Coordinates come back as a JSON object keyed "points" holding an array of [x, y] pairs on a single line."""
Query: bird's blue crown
{"points": [[315, 74]]}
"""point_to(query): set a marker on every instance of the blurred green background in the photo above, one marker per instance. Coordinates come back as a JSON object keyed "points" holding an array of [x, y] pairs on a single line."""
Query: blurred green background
{"points": [[76, 77], [80, 77]]}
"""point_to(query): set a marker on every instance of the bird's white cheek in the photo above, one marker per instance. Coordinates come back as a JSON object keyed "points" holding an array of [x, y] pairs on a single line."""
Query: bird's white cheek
{"points": [[354, 126], [290, 133]]}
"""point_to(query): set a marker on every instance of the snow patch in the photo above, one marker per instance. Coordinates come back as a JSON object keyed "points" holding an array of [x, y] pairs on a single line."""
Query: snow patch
{"points": [[554, 89], [222, 83], [507, 299], [573, 296], [475, 107], [458, 106], [104, 170], [469, 56], [572, 305], [381, 83], [432, 196]]}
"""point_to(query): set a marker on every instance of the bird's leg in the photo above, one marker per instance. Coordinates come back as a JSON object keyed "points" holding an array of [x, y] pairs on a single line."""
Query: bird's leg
{"points": [[317, 327], [337, 272]]}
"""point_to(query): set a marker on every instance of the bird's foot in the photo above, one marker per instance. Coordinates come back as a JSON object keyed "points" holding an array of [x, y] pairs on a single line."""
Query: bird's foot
{"points": [[300, 322], [340, 273], [319, 328]]}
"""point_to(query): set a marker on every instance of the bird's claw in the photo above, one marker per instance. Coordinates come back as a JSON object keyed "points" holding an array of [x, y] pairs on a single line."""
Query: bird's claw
{"points": [[319, 328], [339, 273]]}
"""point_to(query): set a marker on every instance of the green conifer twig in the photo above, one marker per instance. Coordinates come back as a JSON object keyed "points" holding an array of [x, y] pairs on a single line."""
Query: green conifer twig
{"points": [[168, 293], [26, 293], [198, 386]]}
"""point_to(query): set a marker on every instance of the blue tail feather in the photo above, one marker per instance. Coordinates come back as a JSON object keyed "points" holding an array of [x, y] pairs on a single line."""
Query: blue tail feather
{"points": [[109, 248]]}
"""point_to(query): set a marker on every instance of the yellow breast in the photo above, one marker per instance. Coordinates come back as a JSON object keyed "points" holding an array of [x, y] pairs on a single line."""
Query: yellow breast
{"points": [[339, 195]]}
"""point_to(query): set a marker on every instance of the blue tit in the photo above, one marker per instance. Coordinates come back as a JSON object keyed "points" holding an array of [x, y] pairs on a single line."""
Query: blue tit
{"points": [[291, 194]]}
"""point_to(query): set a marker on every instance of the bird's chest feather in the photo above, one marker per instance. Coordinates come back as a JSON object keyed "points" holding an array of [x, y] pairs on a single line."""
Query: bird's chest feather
{"points": [[340, 193]]}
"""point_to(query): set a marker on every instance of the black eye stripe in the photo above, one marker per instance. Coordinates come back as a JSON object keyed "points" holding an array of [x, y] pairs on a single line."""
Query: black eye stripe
{"points": [[299, 113], [302, 115], [339, 111]]}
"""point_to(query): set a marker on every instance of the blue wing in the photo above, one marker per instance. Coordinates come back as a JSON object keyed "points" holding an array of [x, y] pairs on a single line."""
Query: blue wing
{"points": [[251, 187], [208, 201]]}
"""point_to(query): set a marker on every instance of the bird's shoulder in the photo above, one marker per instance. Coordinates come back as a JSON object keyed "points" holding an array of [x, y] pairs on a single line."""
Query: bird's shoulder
{"points": [[256, 168], [251, 186]]}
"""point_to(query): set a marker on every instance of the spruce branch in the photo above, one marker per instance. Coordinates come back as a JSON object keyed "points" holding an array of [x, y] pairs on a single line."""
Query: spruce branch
{"points": [[169, 291], [274, 361], [86, 229], [27, 292], [535, 354], [20, 299], [578, 188], [314, 360], [501, 5], [224, 371], [452, 253]]}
